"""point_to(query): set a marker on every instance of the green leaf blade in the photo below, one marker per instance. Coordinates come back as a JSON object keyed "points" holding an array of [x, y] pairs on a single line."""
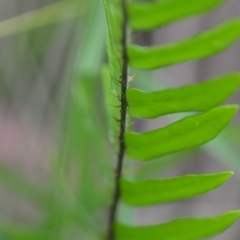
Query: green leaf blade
{"points": [[197, 97], [147, 16], [143, 193], [197, 47], [184, 134], [179, 229]]}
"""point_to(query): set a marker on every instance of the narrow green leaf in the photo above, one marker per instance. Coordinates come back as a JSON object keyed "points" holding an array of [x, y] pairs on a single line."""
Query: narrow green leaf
{"points": [[80, 124], [151, 169], [184, 134], [196, 47], [13, 231], [224, 152], [24, 187], [146, 16], [184, 229], [197, 97], [219, 148], [148, 192], [51, 14]]}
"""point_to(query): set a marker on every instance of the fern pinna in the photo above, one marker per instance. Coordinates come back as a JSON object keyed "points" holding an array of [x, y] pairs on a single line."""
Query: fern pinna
{"points": [[192, 131]]}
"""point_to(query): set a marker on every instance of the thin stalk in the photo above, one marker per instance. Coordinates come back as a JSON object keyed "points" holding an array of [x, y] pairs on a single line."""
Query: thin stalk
{"points": [[123, 111]]}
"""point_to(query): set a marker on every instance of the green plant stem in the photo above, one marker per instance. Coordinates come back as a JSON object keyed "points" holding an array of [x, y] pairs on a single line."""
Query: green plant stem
{"points": [[123, 111]]}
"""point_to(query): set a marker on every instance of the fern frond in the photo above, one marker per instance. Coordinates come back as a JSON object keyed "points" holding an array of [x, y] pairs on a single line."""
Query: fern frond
{"points": [[187, 133]]}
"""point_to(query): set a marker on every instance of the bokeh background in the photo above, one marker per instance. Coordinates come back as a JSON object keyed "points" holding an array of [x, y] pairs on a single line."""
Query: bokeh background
{"points": [[53, 50]]}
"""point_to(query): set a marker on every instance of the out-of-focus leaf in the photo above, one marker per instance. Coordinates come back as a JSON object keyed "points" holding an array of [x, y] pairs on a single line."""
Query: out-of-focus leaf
{"points": [[54, 13], [222, 150], [10, 231], [83, 122], [184, 134], [146, 170], [179, 229], [196, 97], [196, 47], [143, 193], [22, 186], [232, 133], [146, 16], [83, 193]]}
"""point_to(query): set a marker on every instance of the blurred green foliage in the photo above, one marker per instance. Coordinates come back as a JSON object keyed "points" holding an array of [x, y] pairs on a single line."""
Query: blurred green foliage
{"points": [[75, 199]]}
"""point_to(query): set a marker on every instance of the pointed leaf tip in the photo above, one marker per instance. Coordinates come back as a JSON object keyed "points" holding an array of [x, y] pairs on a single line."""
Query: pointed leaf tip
{"points": [[143, 193], [195, 97], [200, 46], [180, 229], [184, 134]]}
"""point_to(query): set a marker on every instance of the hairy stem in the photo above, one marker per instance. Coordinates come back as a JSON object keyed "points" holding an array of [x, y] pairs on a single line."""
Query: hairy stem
{"points": [[123, 111]]}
